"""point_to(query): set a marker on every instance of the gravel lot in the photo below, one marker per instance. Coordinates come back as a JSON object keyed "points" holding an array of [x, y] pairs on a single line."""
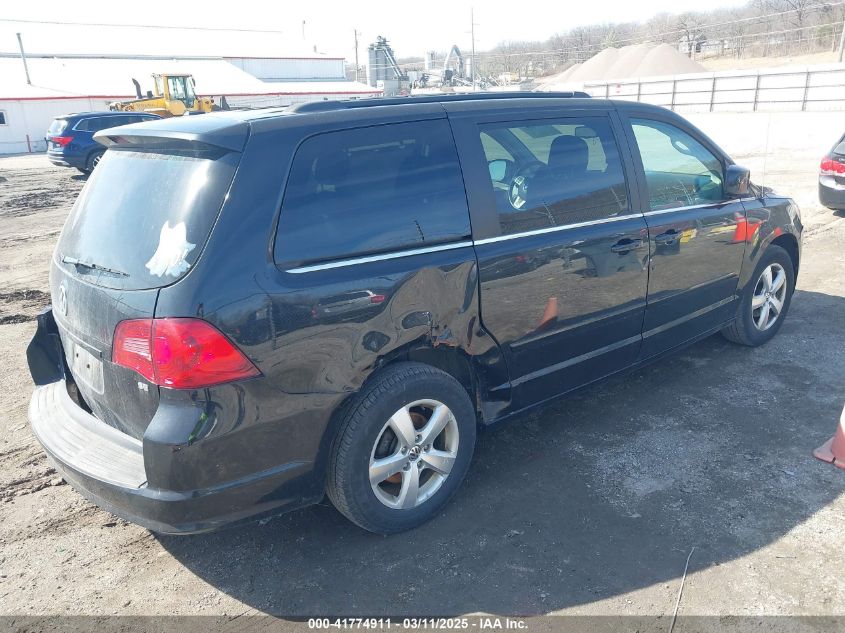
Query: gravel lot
{"points": [[587, 506]]}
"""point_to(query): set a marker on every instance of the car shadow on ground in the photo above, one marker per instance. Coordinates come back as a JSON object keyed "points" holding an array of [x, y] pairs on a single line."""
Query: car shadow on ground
{"points": [[599, 494]]}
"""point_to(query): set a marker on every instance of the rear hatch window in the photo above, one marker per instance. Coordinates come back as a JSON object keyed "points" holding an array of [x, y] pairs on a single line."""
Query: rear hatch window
{"points": [[57, 127], [143, 218]]}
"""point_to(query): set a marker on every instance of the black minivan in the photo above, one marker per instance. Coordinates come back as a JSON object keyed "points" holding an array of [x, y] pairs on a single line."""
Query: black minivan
{"points": [[253, 309]]}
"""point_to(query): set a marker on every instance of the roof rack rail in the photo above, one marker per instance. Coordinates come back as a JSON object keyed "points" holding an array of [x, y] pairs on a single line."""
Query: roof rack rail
{"points": [[345, 104]]}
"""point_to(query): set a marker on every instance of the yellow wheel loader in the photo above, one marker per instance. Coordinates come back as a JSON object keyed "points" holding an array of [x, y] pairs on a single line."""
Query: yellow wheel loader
{"points": [[173, 95]]}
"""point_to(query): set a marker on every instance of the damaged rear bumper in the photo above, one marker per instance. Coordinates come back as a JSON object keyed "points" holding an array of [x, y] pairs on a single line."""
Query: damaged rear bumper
{"points": [[109, 467]]}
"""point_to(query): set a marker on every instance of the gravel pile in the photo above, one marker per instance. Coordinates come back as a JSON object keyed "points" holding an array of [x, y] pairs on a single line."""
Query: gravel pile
{"points": [[628, 62]]}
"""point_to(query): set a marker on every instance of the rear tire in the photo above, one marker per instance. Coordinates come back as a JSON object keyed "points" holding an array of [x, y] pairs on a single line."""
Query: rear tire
{"points": [[403, 449], [765, 300], [93, 161]]}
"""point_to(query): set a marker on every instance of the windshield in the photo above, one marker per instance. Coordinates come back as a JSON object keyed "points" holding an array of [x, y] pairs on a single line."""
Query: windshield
{"points": [[145, 215], [180, 89]]}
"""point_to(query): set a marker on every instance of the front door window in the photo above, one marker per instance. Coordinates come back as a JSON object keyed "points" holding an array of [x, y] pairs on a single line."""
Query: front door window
{"points": [[679, 171]]}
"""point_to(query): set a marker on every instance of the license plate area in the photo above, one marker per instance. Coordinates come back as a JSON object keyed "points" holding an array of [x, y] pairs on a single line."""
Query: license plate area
{"points": [[86, 368]]}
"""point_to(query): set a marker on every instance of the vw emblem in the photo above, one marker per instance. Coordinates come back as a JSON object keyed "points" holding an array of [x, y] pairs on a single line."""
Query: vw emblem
{"points": [[62, 300]]}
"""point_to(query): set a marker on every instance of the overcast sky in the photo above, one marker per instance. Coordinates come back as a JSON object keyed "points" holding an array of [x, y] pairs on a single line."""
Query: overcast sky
{"points": [[412, 28]]}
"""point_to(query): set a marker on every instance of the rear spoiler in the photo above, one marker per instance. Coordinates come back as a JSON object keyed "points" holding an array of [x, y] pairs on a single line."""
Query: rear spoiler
{"points": [[186, 133]]}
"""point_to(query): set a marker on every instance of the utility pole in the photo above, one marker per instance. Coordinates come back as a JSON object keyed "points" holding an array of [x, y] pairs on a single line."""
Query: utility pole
{"points": [[303, 30], [356, 55], [842, 41], [26, 68], [472, 56]]}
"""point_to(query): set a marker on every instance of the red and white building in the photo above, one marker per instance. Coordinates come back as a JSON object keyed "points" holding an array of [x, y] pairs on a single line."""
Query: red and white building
{"points": [[251, 71]]}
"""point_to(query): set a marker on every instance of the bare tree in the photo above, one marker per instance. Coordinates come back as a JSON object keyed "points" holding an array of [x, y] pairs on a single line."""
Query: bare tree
{"points": [[689, 26], [659, 28], [799, 10], [768, 27]]}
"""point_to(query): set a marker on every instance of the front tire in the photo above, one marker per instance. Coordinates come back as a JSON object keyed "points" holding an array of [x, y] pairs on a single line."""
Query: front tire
{"points": [[765, 300], [403, 449]]}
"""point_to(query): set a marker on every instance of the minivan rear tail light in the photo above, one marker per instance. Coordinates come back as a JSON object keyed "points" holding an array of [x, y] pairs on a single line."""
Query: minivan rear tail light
{"points": [[61, 140], [179, 353], [832, 167]]}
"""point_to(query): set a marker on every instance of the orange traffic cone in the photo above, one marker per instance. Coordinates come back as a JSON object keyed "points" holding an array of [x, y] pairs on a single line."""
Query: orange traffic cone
{"points": [[833, 451]]}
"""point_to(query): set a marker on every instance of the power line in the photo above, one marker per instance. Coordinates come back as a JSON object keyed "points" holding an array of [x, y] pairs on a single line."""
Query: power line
{"points": [[731, 37], [488, 54], [144, 26], [767, 16], [589, 48], [817, 7], [651, 37]]}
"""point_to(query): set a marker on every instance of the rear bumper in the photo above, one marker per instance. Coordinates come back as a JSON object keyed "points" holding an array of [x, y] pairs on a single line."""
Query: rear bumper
{"points": [[66, 160], [107, 467], [831, 194], [61, 162]]}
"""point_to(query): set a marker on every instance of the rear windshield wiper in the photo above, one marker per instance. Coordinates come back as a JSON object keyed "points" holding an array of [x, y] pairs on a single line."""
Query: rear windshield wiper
{"points": [[91, 266]]}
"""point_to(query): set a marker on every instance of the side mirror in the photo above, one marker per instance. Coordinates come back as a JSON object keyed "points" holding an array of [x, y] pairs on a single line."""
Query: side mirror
{"points": [[498, 170], [737, 180]]}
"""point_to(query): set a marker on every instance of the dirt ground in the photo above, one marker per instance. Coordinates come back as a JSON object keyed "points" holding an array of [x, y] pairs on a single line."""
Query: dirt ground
{"points": [[588, 506]]}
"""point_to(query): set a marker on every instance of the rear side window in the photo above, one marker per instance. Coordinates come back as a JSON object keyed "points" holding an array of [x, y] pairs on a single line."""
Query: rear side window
{"points": [[372, 190], [96, 124], [101, 123], [555, 172], [146, 214], [93, 125]]}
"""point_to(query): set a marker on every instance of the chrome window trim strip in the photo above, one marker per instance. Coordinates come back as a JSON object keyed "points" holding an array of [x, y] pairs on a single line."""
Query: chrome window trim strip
{"points": [[553, 229], [377, 258], [673, 209], [696, 206], [488, 240]]}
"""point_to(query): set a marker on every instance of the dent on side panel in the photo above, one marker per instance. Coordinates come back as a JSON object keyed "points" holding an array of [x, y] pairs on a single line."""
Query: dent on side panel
{"points": [[315, 337], [237, 431], [332, 328]]}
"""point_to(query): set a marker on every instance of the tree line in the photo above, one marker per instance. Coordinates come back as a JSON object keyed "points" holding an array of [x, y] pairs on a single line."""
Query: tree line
{"points": [[760, 28]]}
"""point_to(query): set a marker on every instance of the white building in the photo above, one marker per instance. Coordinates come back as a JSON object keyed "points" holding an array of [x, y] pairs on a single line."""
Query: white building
{"points": [[91, 70]]}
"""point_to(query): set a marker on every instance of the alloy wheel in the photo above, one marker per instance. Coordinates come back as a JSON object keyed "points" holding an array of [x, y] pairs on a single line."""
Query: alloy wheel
{"points": [[769, 296], [414, 454]]}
